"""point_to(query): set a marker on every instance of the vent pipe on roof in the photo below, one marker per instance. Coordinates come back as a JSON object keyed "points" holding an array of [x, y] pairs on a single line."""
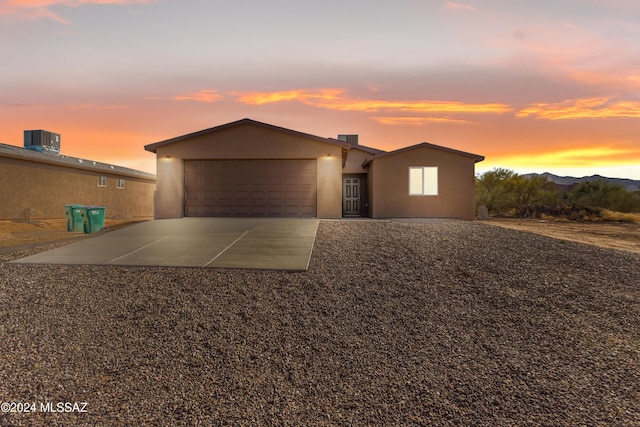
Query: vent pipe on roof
{"points": [[349, 139]]}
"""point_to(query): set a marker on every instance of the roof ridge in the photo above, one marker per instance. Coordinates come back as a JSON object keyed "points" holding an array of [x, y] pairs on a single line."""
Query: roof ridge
{"points": [[477, 158], [153, 146]]}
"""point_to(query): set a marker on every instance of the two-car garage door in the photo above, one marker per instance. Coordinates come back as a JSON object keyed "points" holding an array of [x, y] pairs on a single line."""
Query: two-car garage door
{"points": [[250, 188]]}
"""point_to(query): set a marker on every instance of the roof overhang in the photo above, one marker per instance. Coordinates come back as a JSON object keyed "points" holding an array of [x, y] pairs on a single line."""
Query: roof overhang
{"points": [[476, 157], [154, 147], [23, 154]]}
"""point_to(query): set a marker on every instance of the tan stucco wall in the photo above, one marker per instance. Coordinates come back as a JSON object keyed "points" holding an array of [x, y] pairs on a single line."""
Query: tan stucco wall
{"points": [[31, 190], [247, 142], [354, 161], [389, 185]]}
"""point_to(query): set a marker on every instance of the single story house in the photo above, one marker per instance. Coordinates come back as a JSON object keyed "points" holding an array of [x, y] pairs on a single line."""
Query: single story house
{"points": [[37, 185], [249, 168]]}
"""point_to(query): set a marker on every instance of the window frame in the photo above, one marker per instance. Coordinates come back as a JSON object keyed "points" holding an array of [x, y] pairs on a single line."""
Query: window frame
{"points": [[102, 181], [423, 181], [120, 183]]}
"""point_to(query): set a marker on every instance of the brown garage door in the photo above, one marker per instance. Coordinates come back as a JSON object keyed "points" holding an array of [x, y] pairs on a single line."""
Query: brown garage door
{"points": [[250, 188]]}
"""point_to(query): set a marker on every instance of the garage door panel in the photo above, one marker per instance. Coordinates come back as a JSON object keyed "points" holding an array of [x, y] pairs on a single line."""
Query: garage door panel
{"points": [[258, 195], [307, 211], [290, 196], [250, 187]]}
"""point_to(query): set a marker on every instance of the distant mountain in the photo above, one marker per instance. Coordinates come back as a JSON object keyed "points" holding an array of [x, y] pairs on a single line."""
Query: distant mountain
{"points": [[566, 183]]}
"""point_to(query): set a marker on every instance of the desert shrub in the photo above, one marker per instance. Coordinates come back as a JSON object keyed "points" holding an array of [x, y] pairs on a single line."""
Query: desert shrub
{"points": [[503, 191], [607, 195], [620, 216]]}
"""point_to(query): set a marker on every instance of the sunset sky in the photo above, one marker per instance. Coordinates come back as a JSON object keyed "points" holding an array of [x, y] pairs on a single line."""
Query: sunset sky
{"points": [[534, 86]]}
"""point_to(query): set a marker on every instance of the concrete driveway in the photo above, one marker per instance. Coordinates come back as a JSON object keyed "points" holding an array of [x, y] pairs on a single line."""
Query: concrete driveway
{"points": [[260, 243]]}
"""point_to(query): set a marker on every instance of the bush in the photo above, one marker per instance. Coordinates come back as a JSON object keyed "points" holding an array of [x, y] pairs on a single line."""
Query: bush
{"points": [[503, 191], [603, 194]]}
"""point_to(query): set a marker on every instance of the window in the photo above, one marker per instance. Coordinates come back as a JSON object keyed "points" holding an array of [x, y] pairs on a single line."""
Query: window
{"points": [[102, 181], [120, 183], [423, 181]]}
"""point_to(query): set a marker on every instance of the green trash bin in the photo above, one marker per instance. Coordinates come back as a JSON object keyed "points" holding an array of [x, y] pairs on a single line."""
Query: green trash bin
{"points": [[93, 217], [75, 221]]}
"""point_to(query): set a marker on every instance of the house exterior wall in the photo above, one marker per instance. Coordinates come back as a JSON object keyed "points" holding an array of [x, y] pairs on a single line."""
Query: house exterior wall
{"points": [[247, 142], [34, 190], [354, 161], [389, 185]]}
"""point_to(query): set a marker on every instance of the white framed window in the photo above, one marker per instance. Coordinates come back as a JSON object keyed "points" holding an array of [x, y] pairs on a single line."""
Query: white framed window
{"points": [[102, 181], [120, 183], [423, 181]]}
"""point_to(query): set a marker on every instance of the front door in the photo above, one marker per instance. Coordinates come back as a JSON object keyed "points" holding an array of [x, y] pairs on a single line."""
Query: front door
{"points": [[351, 196]]}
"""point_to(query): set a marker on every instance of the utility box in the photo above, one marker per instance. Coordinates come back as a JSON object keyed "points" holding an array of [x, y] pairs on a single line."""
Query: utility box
{"points": [[75, 221], [93, 217], [42, 141]]}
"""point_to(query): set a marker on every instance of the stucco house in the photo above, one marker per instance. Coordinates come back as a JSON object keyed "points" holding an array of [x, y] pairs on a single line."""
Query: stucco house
{"points": [[249, 168], [37, 185]]}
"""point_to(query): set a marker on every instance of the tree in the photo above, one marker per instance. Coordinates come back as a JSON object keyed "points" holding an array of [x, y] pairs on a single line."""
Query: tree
{"points": [[492, 191], [505, 192], [532, 193]]}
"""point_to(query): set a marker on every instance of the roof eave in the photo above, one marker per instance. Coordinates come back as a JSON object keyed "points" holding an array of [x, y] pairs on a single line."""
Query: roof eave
{"points": [[153, 147], [129, 173], [476, 157]]}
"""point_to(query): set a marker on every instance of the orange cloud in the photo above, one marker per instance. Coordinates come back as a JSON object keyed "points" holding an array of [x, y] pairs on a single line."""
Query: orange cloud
{"points": [[418, 121], [573, 157], [332, 99], [306, 96], [421, 106], [205, 95], [590, 108]]}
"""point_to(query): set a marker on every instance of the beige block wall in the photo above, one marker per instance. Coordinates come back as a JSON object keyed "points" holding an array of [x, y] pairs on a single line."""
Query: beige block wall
{"points": [[389, 186], [31, 190], [247, 142]]}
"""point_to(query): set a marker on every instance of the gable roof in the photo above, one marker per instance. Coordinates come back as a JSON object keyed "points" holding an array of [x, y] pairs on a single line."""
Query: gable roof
{"points": [[16, 152], [366, 149], [153, 147], [476, 157]]}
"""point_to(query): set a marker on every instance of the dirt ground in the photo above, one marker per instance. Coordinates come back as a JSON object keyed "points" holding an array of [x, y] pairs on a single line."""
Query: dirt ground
{"points": [[608, 235], [20, 233], [452, 323], [625, 236]]}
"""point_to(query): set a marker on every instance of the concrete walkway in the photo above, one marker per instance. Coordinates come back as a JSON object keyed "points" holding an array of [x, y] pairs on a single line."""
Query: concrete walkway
{"points": [[259, 243]]}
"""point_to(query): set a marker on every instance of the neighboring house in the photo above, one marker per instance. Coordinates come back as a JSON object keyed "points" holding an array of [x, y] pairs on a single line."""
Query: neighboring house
{"points": [[248, 168], [38, 185]]}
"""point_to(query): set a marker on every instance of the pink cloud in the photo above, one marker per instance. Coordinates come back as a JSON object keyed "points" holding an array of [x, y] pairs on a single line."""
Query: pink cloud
{"points": [[460, 6], [36, 9]]}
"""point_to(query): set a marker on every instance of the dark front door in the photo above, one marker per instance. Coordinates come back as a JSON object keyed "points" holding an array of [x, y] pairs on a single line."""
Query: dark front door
{"points": [[351, 196]]}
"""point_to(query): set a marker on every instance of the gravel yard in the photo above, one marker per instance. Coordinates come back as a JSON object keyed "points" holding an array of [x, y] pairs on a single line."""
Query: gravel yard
{"points": [[456, 323]]}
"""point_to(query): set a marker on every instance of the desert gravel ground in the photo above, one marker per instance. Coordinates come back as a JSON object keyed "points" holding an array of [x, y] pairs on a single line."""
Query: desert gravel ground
{"points": [[456, 323]]}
